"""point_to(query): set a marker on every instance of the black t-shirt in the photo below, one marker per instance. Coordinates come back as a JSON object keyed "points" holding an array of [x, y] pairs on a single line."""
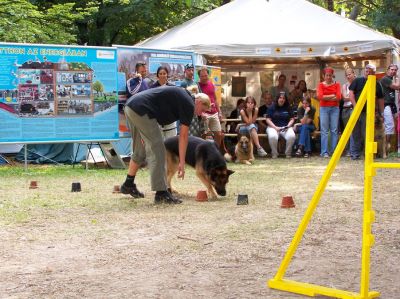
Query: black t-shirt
{"points": [[262, 111], [389, 93], [358, 85], [166, 104], [280, 115]]}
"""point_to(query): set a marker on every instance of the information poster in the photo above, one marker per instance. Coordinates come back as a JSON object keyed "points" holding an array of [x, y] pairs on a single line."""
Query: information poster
{"points": [[55, 93], [174, 61]]}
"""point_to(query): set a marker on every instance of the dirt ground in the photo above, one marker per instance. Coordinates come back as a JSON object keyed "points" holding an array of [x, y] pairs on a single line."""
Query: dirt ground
{"points": [[96, 244]]}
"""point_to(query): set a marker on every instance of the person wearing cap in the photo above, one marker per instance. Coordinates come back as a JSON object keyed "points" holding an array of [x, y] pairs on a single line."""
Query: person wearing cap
{"points": [[329, 96], [147, 110], [189, 76], [390, 83], [358, 135]]}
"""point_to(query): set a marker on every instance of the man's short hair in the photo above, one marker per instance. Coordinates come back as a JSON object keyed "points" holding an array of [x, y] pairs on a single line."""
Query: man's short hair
{"points": [[139, 64], [203, 68], [204, 99], [393, 65]]}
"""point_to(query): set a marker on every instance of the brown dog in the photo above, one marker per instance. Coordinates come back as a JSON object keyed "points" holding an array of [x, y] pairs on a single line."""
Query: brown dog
{"points": [[205, 157], [380, 137], [244, 150]]}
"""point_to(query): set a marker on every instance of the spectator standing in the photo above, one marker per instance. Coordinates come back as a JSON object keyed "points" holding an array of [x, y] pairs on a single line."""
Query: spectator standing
{"points": [[276, 90], [347, 105], [329, 95], [248, 126], [390, 83], [280, 123], [305, 127], [213, 116], [168, 130], [137, 81], [147, 110], [297, 94], [189, 74], [358, 135]]}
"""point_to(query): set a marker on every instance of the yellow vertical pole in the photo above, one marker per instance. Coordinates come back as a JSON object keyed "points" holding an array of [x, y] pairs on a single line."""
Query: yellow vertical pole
{"points": [[321, 186], [369, 172]]}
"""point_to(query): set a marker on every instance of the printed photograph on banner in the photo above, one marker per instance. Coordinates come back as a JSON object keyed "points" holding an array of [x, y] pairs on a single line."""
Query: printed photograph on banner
{"points": [[45, 81], [148, 60]]}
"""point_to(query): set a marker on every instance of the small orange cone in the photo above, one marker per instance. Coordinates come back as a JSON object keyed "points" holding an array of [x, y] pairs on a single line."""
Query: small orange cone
{"points": [[116, 189], [202, 195], [287, 202], [33, 185]]}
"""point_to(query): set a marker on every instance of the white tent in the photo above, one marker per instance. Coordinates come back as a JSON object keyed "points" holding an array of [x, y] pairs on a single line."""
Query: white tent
{"points": [[265, 31]]}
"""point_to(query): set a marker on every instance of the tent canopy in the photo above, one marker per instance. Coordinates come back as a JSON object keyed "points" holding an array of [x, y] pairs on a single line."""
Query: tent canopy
{"points": [[263, 31]]}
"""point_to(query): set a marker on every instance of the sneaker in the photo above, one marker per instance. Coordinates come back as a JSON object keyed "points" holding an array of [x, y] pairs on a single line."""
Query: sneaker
{"points": [[325, 155], [261, 152], [274, 156], [355, 157], [166, 198], [132, 191], [298, 153], [306, 155], [348, 154]]}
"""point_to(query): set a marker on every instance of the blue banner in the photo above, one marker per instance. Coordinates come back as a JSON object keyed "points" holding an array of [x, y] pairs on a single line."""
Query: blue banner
{"points": [[52, 93]]}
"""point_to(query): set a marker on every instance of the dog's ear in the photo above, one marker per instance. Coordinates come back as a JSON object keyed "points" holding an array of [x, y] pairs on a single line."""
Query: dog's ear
{"points": [[230, 172]]}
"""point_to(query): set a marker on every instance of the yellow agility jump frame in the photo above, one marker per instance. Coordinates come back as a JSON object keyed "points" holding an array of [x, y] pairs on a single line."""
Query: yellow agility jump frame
{"points": [[278, 282]]}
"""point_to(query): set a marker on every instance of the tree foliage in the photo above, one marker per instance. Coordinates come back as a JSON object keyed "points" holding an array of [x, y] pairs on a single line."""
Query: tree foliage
{"points": [[383, 15], [22, 21], [107, 22]]}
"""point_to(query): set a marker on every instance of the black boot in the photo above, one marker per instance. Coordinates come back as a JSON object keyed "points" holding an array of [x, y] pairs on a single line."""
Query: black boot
{"points": [[166, 197], [132, 191]]}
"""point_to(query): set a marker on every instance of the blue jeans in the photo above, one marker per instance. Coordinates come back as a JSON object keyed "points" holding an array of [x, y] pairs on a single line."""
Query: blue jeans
{"points": [[305, 136], [357, 137], [329, 118], [243, 130]]}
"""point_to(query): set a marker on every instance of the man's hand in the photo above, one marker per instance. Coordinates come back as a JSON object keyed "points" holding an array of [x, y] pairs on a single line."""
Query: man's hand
{"points": [[181, 171]]}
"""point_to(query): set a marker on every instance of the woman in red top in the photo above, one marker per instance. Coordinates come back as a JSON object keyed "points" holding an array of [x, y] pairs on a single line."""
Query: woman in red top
{"points": [[329, 95]]}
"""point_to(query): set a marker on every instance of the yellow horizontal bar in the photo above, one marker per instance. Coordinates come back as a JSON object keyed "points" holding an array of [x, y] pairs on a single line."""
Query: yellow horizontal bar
{"points": [[313, 290], [385, 165]]}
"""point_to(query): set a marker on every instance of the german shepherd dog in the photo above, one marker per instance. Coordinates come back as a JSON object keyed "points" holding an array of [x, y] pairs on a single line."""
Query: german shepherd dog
{"points": [[205, 157], [244, 150], [380, 137]]}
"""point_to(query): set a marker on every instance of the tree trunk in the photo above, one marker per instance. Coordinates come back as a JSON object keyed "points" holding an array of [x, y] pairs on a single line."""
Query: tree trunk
{"points": [[355, 12], [329, 5]]}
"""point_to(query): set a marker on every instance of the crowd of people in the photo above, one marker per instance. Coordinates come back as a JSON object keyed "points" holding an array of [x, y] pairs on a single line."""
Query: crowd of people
{"points": [[282, 115]]}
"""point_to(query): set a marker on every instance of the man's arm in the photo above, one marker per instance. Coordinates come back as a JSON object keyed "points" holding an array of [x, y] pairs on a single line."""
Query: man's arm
{"points": [[183, 142], [352, 98]]}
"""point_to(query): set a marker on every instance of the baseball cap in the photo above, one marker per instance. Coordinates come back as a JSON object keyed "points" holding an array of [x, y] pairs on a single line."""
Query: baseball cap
{"points": [[189, 66], [371, 66]]}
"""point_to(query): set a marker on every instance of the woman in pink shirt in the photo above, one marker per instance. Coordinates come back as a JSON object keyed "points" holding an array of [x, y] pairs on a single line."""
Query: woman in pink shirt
{"points": [[329, 95]]}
